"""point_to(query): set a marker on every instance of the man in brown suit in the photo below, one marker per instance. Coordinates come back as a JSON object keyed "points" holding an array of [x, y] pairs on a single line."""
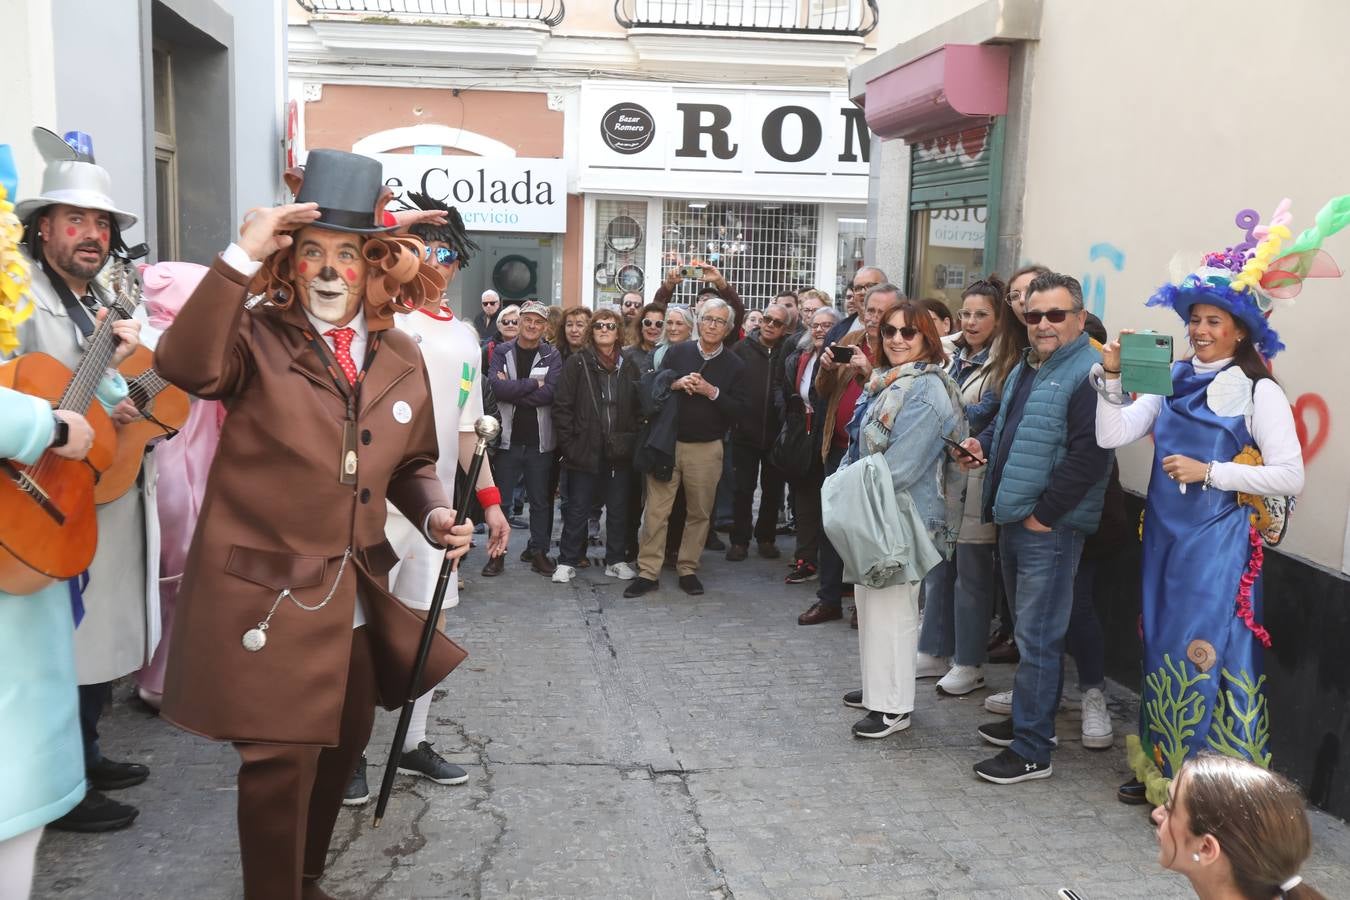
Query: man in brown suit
{"points": [[286, 637]]}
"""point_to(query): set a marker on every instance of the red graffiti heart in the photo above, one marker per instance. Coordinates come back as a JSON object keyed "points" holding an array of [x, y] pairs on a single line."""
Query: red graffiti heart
{"points": [[1312, 443]]}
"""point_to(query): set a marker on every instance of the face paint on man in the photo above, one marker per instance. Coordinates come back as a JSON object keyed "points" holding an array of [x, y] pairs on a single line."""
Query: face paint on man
{"points": [[330, 274], [77, 240]]}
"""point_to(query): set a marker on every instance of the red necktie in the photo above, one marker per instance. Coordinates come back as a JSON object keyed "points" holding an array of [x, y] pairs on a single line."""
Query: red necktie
{"points": [[342, 350]]}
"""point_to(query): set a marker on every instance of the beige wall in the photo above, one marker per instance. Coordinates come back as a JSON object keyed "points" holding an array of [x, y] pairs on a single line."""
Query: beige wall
{"points": [[1149, 130], [902, 21]]}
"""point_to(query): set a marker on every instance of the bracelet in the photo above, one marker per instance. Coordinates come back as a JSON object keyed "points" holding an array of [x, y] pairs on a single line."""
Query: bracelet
{"points": [[1209, 476], [489, 496], [1110, 371]]}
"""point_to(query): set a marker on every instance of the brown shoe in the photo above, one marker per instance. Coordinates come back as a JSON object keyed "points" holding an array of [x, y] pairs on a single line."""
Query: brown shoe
{"points": [[737, 552], [494, 566], [769, 550], [1005, 652], [853, 617], [542, 564], [819, 613]]}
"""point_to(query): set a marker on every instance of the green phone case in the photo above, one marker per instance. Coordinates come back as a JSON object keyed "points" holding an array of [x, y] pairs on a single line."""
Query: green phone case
{"points": [[1146, 363]]}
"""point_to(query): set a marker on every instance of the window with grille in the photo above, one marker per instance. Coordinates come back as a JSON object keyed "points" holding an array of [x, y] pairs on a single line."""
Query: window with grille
{"points": [[621, 250], [725, 13], [760, 248]]}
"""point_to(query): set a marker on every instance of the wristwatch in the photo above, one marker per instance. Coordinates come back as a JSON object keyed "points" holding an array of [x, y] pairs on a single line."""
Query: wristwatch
{"points": [[60, 432]]}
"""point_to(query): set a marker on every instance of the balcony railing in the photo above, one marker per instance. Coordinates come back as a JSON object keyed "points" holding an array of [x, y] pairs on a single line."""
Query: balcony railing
{"points": [[834, 17], [549, 12]]}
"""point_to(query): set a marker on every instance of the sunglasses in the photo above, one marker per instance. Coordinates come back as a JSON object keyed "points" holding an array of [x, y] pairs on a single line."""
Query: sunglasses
{"points": [[770, 320], [632, 304], [1055, 316], [652, 323], [491, 302], [908, 332], [509, 323], [604, 326], [441, 256]]}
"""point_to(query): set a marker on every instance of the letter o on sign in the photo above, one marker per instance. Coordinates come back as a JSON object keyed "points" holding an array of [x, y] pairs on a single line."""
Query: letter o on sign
{"points": [[627, 128]]}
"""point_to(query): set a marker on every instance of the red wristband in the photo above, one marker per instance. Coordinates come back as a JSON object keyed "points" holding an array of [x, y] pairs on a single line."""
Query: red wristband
{"points": [[489, 496]]}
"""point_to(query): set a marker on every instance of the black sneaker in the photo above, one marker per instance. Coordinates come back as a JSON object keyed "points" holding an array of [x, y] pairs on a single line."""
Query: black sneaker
{"points": [[517, 522], [639, 586], [854, 699], [879, 724], [96, 813], [713, 542], [1000, 733], [358, 792], [691, 585], [1010, 767], [106, 775], [429, 764], [801, 572]]}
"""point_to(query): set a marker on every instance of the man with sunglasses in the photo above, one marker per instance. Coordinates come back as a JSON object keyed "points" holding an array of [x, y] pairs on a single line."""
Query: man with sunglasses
{"points": [[753, 434], [485, 321], [1045, 488], [864, 280]]}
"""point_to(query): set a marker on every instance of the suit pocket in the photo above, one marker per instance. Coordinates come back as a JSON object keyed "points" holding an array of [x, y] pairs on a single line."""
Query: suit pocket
{"points": [[275, 569], [380, 558]]}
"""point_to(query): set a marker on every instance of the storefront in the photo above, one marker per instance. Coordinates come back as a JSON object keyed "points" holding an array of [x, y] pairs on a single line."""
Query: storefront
{"points": [[768, 185]]}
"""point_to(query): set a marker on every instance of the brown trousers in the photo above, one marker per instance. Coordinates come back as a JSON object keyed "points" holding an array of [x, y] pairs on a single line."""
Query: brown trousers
{"points": [[290, 795], [698, 467]]}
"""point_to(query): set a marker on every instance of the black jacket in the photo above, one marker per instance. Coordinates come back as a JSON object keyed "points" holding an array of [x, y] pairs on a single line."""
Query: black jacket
{"points": [[763, 379], [577, 409]]}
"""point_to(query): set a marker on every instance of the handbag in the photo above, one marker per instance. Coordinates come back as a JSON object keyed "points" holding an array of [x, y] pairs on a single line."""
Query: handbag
{"points": [[618, 445], [792, 449]]}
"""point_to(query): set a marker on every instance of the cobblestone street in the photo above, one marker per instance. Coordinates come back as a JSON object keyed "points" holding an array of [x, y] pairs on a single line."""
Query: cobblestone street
{"points": [[663, 747]]}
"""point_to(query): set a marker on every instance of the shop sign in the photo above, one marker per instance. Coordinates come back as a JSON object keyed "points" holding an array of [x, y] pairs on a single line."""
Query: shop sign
{"points": [[963, 228], [788, 144], [512, 194]]}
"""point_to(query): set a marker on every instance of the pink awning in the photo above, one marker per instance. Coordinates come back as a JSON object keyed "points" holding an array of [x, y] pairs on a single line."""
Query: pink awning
{"points": [[939, 92]]}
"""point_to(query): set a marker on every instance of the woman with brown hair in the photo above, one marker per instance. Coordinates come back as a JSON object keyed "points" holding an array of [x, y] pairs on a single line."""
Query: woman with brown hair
{"points": [[1235, 829], [642, 334], [576, 329]]}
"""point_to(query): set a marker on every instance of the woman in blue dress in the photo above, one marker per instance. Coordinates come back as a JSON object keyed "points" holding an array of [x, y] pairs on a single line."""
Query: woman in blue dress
{"points": [[1226, 454]]}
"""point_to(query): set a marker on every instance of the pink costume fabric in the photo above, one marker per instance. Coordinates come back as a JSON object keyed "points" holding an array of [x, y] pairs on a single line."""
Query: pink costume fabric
{"points": [[183, 463]]}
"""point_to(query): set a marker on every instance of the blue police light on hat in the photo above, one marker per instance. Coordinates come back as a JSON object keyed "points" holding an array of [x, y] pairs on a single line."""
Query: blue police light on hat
{"points": [[81, 143]]}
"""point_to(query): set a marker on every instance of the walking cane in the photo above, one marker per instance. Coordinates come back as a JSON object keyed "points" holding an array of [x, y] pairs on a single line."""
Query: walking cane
{"points": [[486, 428]]}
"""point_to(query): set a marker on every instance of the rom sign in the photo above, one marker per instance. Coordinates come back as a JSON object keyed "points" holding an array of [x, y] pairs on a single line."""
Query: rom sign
{"points": [[514, 194]]}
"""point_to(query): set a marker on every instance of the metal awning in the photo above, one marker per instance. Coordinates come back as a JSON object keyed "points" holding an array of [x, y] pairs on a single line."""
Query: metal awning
{"points": [[939, 92]]}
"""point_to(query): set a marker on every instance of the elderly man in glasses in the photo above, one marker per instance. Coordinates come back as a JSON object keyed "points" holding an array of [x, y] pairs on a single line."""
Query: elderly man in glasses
{"points": [[753, 434], [485, 321], [707, 382], [1045, 487], [863, 281]]}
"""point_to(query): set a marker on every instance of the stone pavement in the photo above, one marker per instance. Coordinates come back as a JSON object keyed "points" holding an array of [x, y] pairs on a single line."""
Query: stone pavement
{"points": [[664, 747]]}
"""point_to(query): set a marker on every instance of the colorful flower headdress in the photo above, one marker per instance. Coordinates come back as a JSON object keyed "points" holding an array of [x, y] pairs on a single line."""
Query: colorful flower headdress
{"points": [[15, 304], [1247, 278]]}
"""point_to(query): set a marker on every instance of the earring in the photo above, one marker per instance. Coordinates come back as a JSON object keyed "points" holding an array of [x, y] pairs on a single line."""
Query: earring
{"points": [[1195, 857]]}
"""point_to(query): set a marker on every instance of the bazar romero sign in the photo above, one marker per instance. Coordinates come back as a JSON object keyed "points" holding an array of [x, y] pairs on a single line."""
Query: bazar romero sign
{"points": [[512, 194]]}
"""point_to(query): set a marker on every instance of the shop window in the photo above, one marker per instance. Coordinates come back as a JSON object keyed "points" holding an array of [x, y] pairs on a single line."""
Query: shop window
{"points": [[947, 247], [166, 155], [852, 249], [621, 250], [760, 248]]}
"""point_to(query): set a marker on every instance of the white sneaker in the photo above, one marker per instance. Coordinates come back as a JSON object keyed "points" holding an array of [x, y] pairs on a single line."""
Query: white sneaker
{"points": [[1097, 732], [999, 704], [926, 666], [563, 574], [621, 570], [961, 680]]}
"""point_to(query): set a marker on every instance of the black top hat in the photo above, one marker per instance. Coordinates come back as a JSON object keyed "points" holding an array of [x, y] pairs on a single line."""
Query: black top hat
{"points": [[349, 189]]}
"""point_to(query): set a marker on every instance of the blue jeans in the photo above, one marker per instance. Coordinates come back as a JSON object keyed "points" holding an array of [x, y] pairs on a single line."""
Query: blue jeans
{"points": [[958, 598], [1038, 572], [508, 466], [831, 567], [583, 489], [1084, 641]]}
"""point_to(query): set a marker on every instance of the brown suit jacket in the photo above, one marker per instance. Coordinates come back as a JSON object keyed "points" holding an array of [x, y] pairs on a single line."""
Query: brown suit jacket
{"points": [[276, 516]]}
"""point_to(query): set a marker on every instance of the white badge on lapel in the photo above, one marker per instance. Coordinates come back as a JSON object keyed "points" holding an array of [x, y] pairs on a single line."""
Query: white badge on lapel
{"points": [[402, 412]]}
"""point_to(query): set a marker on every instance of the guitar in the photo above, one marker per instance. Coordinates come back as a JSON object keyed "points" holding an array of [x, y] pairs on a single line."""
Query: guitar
{"points": [[164, 409], [48, 528]]}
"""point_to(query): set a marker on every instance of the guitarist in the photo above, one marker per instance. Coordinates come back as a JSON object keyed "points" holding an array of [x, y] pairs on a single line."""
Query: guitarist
{"points": [[69, 230]]}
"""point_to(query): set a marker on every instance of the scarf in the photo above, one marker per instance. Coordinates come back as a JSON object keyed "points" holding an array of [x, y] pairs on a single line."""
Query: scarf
{"points": [[608, 361]]}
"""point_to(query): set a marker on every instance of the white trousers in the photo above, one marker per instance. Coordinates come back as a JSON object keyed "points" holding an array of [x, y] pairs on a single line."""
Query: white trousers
{"points": [[18, 855], [888, 639]]}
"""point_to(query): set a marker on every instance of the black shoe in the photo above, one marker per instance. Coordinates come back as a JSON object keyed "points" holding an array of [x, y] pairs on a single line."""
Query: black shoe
{"points": [[737, 552], [358, 791], [542, 564], [494, 566], [1010, 767], [429, 764], [526, 555], [1133, 792], [96, 813], [879, 724], [769, 550], [106, 775], [639, 586], [517, 522], [854, 699], [1000, 733], [802, 571], [691, 585], [713, 542]]}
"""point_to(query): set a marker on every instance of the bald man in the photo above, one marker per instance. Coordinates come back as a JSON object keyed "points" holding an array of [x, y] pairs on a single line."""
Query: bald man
{"points": [[486, 320]]}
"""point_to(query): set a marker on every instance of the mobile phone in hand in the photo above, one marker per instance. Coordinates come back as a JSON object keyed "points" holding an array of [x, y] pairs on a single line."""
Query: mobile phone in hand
{"points": [[842, 355], [963, 451], [691, 272]]}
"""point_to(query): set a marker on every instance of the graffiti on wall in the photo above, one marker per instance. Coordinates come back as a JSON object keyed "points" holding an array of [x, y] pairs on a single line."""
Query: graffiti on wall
{"points": [[1094, 285]]}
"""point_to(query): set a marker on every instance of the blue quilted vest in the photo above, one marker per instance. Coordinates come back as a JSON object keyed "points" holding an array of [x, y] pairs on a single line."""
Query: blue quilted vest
{"points": [[1039, 443]]}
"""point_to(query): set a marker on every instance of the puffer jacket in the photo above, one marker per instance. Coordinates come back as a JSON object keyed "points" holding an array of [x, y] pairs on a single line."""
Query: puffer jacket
{"points": [[581, 417]]}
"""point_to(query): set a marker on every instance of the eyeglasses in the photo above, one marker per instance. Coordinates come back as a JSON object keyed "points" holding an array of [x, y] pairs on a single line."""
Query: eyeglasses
{"points": [[823, 326], [969, 315], [908, 332], [865, 287], [652, 323], [442, 256], [1014, 296], [714, 320], [1055, 316], [604, 326], [770, 320]]}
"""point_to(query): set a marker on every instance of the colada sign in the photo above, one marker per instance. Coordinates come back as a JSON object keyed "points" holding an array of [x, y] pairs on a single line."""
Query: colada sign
{"points": [[514, 194]]}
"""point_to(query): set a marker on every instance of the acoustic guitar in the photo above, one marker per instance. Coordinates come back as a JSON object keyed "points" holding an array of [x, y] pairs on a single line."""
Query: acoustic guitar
{"points": [[163, 408], [48, 527]]}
